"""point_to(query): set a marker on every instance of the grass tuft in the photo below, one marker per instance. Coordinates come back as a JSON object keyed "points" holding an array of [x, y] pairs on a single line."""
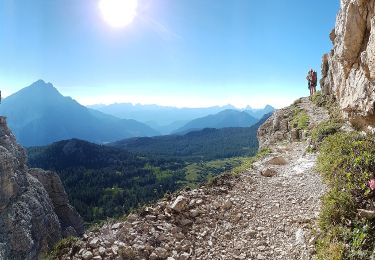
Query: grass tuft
{"points": [[63, 247]]}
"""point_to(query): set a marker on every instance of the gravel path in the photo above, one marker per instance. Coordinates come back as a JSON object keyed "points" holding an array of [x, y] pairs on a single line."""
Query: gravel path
{"points": [[275, 213]]}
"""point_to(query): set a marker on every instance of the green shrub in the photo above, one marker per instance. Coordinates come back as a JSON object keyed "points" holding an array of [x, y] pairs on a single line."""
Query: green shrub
{"points": [[347, 160], [338, 207], [335, 112], [347, 163], [329, 247], [324, 129], [263, 153], [361, 241], [300, 119], [319, 99]]}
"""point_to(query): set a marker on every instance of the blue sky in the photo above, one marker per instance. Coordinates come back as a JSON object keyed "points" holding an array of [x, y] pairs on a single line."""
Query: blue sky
{"points": [[175, 52]]}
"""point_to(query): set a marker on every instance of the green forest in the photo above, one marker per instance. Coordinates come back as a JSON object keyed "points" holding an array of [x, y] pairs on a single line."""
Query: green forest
{"points": [[109, 181], [202, 145]]}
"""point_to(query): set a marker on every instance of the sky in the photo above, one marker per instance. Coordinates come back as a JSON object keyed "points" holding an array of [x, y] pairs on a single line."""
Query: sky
{"points": [[184, 53]]}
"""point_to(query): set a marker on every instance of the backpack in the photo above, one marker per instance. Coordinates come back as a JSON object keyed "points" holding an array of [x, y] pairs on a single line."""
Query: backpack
{"points": [[314, 77]]}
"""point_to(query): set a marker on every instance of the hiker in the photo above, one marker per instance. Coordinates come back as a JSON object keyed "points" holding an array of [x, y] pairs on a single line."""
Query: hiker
{"points": [[312, 80]]}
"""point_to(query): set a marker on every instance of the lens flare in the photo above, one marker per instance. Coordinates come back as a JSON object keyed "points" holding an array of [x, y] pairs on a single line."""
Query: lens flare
{"points": [[118, 13]]}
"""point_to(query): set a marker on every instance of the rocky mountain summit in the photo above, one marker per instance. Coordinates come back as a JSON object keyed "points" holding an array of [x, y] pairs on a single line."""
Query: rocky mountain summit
{"points": [[34, 210], [348, 71], [266, 212]]}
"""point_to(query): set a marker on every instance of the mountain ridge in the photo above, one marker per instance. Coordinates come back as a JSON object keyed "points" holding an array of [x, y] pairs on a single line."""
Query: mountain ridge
{"points": [[39, 114], [162, 116], [225, 118]]}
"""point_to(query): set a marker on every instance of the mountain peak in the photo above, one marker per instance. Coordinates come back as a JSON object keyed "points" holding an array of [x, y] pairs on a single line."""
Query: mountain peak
{"points": [[42, 84], [39, 82]]}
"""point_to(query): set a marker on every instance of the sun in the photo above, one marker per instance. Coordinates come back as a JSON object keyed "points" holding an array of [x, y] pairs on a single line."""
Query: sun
{"points": [[118, 13]]}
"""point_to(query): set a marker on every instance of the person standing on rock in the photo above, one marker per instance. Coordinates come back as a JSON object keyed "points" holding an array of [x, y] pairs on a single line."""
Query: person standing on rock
{"points": [[312, 81]]}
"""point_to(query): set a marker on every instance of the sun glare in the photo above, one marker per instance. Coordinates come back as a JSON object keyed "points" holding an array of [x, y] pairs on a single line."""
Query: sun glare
{"points": [[118, 13]]}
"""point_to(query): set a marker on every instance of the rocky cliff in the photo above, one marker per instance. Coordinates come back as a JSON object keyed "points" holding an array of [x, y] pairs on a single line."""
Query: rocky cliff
{"points": [[70, 221], [28, 221], [348, 71]]}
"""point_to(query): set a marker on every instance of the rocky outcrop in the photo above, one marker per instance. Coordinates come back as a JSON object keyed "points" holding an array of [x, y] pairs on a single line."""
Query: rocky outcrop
{"points": [[348, 71], [279, 127], [71, 222], [28, 222], [276, 128]]}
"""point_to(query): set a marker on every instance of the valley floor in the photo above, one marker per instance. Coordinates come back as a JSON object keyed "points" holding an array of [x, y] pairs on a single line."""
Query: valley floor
{"points": [[247, 216]]}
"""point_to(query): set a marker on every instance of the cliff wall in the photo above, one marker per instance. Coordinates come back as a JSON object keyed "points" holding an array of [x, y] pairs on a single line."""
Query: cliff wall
{"points": [[31, 220], [348, 71]]}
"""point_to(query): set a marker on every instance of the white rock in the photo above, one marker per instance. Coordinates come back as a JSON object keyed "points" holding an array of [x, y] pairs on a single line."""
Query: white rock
{"points": [[114, 249], [101, 250], [300, 236], [87, 255], [184, 256], [116, 226], [194, 213], [179, 204], [94, 243]]}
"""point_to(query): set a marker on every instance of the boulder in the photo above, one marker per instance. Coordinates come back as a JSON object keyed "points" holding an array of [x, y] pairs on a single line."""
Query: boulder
{"points": [[269, 172], [278, 160]]}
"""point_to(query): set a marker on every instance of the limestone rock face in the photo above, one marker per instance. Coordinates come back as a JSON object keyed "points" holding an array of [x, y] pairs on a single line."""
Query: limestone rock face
{"points": [[71, 222], [348, 71], [276, 128], [28, 222], [28, 225], [13, 164]]}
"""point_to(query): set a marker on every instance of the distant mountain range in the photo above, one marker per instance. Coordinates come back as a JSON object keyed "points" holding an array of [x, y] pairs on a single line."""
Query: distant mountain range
{"points": [[226, 118], [259, 112], [206, 144], [168, 119], [39, 115]]}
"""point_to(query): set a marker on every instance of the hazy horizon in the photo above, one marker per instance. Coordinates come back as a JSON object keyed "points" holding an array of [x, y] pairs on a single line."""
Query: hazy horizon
{"points": [[144, 104], [182, 54]]}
